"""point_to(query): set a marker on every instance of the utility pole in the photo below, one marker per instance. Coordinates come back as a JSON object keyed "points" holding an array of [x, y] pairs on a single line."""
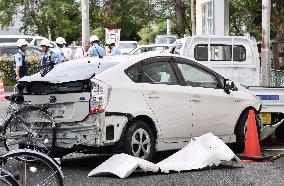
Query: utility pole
{"points": [[168, 26], [85, 21], [193, 17], [265, 45]]}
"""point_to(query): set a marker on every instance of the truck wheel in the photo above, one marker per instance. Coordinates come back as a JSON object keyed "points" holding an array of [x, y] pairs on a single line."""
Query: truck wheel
{"points": [[139, 140], [241, 130]]}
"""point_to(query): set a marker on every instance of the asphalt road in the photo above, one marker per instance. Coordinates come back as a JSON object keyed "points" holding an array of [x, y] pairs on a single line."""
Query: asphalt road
{"points": [[77, 166]]}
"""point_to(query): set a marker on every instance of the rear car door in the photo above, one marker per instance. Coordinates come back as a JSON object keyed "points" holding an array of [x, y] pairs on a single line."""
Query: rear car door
{"points": [[167, 99], [212, 108]]}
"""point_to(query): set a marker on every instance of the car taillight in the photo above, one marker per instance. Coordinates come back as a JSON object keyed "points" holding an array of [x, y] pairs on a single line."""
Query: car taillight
{"points": [[99, 96]]}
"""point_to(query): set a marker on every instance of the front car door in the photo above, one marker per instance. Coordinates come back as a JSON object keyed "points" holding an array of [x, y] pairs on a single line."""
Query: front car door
{"points": [[212, 107], [167, 99]]}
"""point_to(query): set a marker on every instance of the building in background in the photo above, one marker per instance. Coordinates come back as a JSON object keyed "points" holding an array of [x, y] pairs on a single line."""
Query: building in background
{"points": [[212, 17]]}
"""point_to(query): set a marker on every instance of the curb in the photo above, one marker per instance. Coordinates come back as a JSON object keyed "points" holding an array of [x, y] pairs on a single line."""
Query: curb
{"points": [[9, 88]]}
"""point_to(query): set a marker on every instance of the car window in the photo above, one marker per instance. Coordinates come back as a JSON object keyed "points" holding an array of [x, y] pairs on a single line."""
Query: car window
{"points": [[196, 77], [8, 50], [33, 51], [159, 72], [220, 52], [134, 74]]}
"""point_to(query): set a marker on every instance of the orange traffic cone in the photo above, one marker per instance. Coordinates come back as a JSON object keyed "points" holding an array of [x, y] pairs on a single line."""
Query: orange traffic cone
{"points": [[252, 147], [2, 93]]}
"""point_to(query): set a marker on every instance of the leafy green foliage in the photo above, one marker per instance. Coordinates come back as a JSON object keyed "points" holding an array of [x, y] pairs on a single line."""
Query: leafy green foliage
{"points": [[44, 17], [6, 66]]}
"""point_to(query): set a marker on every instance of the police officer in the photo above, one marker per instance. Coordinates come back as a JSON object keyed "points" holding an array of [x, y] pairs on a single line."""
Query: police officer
{"points": [[20, 65], [49, 59], [58, 51], [96, 49], [113, 51]]}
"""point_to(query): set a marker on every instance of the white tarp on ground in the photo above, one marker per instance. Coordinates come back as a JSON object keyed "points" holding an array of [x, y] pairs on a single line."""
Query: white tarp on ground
{"points": [[203, 151]]}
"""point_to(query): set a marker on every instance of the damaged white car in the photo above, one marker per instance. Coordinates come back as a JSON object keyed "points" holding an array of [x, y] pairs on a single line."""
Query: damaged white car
{"points": [[132, 104]]}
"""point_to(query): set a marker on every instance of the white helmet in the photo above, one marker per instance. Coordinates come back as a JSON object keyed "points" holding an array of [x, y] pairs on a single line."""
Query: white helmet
{"points": [[45, 42], [110, 41], [60, 40], [94, 38], [22, 42]]}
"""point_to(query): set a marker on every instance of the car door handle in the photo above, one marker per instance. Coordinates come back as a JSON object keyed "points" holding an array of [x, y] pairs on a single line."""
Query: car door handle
{"points": [[153, 95], [196, 100]]}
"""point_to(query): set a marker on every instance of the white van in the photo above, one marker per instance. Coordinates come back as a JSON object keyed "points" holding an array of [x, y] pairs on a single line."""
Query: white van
{"points": [[33, 40]]}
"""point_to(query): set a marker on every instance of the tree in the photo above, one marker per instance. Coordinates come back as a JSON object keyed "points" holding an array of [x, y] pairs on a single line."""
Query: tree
{"points": [[47, 18]]}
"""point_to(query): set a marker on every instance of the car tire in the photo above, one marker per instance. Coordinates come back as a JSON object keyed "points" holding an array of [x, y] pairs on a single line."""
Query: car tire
{"points": [[241, 129], [279, 133], [139, 140]]}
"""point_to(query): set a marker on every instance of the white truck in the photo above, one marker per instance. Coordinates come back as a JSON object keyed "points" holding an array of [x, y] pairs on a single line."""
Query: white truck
{"points": [[237, 58]]}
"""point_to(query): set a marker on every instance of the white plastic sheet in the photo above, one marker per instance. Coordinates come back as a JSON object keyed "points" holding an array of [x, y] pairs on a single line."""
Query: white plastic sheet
{"points": [[203, 151]]}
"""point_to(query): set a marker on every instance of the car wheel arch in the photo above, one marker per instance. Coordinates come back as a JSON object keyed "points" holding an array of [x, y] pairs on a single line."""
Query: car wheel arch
{"points": [[242, 113], [149, 121]]}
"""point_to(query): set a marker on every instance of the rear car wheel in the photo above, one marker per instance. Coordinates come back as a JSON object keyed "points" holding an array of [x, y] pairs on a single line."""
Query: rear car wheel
{"points": [[241, 130], [139, 140]]}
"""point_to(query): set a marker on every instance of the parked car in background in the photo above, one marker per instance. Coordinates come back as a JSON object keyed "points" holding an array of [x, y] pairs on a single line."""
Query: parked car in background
{"points": [[135, 104], [11, 49], [165, 39], [127, 46], [32, 40], [150, 48]]}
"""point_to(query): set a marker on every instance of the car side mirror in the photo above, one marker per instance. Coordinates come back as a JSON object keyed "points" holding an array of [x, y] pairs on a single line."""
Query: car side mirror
{"points": [[228, 85]]}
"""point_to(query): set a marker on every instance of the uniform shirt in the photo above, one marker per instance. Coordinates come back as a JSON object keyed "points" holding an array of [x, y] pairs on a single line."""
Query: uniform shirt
{"points": [[19, 58], [80, 52], [115, 51], [97, 50], [58, 52], [20, 61], [48, 58]]}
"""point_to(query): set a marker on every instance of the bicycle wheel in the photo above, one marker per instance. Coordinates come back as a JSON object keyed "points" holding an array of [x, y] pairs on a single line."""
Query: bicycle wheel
{"points": [[29, 127], [42, 171], [7, 179]]}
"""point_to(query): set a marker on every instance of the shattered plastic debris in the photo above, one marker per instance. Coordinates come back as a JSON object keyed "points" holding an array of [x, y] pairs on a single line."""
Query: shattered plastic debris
{"points": [[269, 129], [206, 150], [122, 165], [203, 151]]}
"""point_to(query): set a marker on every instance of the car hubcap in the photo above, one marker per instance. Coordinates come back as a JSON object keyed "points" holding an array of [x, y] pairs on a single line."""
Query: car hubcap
{"points": [[140, 143]]}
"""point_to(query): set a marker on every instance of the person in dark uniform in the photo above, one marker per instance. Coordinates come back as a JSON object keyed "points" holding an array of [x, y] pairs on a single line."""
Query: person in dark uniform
{"points": [[20, 65], [49, 58]]}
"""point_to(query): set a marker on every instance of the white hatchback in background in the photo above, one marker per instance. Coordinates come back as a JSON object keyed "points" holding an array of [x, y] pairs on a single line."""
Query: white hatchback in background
{"points": [[127, 46], [32, 40], [140, 104], [151, 48]]}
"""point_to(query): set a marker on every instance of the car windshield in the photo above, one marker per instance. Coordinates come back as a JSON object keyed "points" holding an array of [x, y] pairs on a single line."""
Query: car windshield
{"points": [[165, 40], [127, 45]]}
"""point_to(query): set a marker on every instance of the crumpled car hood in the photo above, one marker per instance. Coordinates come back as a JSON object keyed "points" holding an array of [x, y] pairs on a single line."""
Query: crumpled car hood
{"points": [[70, 71]]}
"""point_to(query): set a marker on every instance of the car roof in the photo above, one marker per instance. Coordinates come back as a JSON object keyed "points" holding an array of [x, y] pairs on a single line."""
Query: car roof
{"points": [[155, 45]]}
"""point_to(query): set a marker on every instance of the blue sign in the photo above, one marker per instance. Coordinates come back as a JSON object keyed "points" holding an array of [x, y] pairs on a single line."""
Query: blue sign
{"points": [[268, 97]]}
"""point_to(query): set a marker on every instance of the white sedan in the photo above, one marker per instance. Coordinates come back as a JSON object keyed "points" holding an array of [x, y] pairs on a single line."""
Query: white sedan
{"points": [[140, 104]]}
